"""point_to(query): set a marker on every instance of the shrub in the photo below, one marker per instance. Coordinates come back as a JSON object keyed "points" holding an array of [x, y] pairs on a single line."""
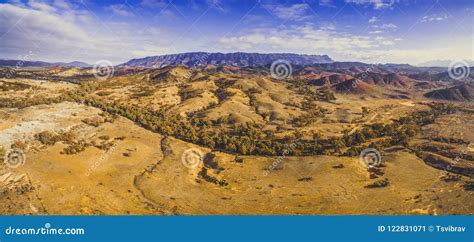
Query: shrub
{"points": [[47, 138], [378, 184]]}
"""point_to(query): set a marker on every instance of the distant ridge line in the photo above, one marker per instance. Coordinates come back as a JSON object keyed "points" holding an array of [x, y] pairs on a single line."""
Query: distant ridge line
{"points": [[242, 59]]}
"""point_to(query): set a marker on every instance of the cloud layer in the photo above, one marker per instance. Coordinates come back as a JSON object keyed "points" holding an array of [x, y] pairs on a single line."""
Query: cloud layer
{"points": [[353, 30]]}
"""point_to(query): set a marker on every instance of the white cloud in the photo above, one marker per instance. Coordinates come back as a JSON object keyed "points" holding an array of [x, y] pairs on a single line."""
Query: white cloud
{"points": [[383, 41], [38, 21], [326, 3], [62, 4], [305, 39], [434, 17], [64, 36], [120, 10], [38, 5], [57, 30], [379, 29], [396, 54], [388, 26], [376, 32], [295, 12], [342, 46], [373, 19], [377, 4]]}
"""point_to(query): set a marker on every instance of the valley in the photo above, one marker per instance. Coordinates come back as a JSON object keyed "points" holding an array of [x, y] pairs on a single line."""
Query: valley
{"points": [[230, 140]]}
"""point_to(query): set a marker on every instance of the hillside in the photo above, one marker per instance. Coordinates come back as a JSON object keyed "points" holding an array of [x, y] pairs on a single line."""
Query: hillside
{"points": [[234, 140], [463, 92], [391, 79], [353, 86]]}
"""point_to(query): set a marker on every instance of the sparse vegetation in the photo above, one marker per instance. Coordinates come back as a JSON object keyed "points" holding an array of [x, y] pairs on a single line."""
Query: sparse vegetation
{"points": [[378, 184], [208, 178], [49, 138], [285, 124], [469, 186], [75, 148], [249, 139], [305, 179]]}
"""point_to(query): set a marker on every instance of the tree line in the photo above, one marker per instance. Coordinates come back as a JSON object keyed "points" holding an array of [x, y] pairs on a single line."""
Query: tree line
{"points": [[250, 139]]}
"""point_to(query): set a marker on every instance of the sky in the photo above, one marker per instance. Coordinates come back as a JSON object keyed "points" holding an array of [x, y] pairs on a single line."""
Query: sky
{"points": [[371, 31]]}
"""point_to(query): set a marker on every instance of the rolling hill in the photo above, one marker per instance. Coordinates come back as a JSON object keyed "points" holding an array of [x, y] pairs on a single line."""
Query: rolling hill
{"points": [[463, 92]]}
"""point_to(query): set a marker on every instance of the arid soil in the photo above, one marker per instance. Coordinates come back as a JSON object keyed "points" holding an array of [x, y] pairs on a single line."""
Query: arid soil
{"points": [[84, 158]]}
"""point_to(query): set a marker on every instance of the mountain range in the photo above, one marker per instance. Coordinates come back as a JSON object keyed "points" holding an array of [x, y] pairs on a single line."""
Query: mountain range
{"points": [[241, 59], [24, 63], [193, 59], [196, 59]]}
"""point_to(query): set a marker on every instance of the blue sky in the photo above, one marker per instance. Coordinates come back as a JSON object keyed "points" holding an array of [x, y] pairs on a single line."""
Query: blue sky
{"points": [[373, 31]]}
